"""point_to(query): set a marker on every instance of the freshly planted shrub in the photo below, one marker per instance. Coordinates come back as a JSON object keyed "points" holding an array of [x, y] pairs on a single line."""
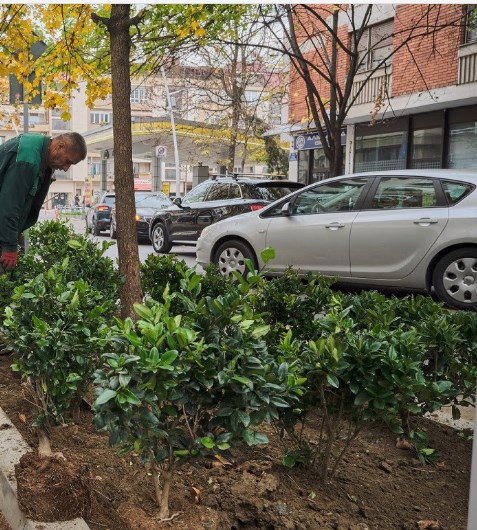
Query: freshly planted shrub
{"points": [[52, 326], [183, 387], [161, 271], [51, 242], [378, 367], [291, 302]]}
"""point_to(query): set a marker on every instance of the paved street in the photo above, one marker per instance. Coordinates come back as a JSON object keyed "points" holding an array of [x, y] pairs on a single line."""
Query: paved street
{"points": [[186, 253]]}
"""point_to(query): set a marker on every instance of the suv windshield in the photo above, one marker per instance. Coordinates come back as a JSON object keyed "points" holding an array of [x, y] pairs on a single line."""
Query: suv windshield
{"points": [[153, 201], [269, 192]]}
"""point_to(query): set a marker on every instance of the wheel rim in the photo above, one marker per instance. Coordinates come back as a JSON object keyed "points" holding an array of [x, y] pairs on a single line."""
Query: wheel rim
{"points": [[231, 260], [460, 280], [158, 237]]}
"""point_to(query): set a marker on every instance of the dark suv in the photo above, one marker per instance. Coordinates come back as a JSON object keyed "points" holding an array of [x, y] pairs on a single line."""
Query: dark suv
{"points": [[212, 201], [98, 216]]}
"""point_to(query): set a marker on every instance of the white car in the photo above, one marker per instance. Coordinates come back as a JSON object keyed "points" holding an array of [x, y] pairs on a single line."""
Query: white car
{"points": [[410, 229]]}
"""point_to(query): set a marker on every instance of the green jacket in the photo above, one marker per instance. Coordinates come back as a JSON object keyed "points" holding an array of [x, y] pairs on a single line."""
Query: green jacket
{"points": [[23, 187]]}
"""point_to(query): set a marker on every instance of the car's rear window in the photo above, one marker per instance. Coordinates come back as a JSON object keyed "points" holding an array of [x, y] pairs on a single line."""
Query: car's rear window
{"points": [[267, 192], [455, 191], [109, 199]]}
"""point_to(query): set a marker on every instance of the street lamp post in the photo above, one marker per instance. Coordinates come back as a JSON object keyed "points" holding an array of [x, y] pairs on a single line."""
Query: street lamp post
{"points": [[174, 136]]}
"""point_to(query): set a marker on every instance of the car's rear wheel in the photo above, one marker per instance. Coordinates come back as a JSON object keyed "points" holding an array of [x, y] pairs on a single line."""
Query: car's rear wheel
{"points": [[160, 239], [112, 230], [95, 229], [230, 257], [455, 278]]}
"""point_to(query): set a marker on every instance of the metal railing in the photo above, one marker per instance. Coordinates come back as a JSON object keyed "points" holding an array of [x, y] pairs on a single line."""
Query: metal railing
{"points": [[467, 65], [377, 85]]}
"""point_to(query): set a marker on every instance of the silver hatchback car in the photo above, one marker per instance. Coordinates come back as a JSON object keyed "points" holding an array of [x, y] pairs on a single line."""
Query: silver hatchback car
{"points": [[409, 229]]}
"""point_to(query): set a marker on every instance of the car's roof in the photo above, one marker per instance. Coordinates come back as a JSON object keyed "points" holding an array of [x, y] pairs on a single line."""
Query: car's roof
{"points": [[255, 181], [452, 174]]}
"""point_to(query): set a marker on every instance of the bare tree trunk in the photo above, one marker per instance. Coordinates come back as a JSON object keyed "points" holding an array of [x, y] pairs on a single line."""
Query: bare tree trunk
{"points": [[162, 493], [118, 26]]}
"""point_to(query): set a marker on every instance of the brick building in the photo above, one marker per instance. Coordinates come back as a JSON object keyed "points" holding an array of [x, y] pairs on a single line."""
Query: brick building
{"points": [[417, 110]]}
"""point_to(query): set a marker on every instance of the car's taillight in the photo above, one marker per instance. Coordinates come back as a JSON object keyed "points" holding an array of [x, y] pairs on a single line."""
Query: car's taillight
{"points": [[255, 207], [102, 208]]}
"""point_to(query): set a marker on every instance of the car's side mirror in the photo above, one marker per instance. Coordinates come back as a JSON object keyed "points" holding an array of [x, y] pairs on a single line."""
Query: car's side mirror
{"points": [[177, 201], [287, 209]]}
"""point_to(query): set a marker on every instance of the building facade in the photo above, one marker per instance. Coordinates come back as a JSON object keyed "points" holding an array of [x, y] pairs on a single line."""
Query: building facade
{"points": [[199, 127], [418, 110]]}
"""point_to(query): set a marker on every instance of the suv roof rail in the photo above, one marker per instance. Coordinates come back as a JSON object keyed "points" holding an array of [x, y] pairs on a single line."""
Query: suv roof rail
{"points": [[258, 176]]}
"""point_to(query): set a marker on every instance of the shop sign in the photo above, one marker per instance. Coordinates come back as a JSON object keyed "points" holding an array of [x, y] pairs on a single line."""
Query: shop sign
{"points": [[312, 141]]}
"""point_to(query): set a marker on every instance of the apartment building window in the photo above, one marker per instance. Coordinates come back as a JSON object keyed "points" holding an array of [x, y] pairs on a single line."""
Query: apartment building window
{"points": [[376, 45], [252, 96], [138, 95], [57, 124], [471, 23], [100, 118], [95, 168], [170, 173]]}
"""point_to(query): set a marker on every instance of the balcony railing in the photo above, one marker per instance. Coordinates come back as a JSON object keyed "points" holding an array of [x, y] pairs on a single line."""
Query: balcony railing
{"points": [[378, 85], [467, 64]]}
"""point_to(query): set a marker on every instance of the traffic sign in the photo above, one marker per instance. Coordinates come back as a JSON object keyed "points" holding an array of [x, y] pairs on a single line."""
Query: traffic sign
{"points": [[161, 151]]}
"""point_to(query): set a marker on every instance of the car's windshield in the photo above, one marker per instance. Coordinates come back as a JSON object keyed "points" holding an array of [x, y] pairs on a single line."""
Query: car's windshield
{"points": [[267, 192], [153, 201]]}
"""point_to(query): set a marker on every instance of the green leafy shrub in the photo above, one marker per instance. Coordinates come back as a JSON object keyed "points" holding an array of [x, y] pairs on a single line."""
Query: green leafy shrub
{"points": [[373, 359], [51, 242], [159, 272], [182, 387], [52, 324], [291, 302]]}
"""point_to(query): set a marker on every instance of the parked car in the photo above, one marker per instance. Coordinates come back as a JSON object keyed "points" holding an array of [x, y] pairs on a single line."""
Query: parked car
{"points": [[209, 202], [147, 203], [98, 216], [411, 229]]}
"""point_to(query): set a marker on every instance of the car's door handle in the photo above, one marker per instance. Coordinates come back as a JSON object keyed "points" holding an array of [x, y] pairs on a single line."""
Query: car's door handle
{"points": [[426, 221], [334, 226]]}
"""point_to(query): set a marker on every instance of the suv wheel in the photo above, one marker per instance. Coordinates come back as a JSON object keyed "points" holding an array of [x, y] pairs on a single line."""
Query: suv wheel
{"points": [[455, 278], [230, 257], [160, 239], [94, 229]]}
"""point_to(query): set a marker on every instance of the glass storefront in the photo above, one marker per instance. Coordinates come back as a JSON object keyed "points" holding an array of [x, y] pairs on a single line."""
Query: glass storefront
{"points": [[462, 145], [380, 152], [444, 138], [426, 148]]}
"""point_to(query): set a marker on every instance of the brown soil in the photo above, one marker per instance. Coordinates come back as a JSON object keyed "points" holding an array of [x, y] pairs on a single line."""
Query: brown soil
{"points": [[378, 486]]}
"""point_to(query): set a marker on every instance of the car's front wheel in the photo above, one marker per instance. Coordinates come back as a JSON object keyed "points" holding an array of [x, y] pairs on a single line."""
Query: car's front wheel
{"points": [[160, 239], [230, 257], [455, 278]]}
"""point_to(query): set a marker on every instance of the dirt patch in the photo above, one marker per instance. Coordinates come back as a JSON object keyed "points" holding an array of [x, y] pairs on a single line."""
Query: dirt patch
{"points": [[53, 489], [378, 487]]}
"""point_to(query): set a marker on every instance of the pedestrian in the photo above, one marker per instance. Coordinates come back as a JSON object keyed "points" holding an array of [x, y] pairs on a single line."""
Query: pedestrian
{"points": [[27, 164]]}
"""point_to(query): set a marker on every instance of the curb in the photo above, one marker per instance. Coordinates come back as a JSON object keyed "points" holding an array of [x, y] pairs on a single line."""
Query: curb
{"points": [[12, 447]]}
